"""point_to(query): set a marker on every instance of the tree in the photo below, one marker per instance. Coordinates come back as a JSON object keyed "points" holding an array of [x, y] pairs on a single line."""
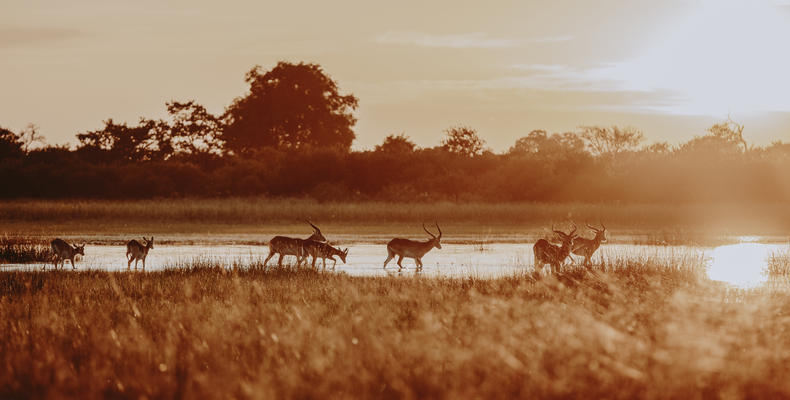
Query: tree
{"points": [[658, 148], [778, 150], [722, 138], [729, 131], [193, 130], [30, 137], [463, 140], [121, 142], [10, 145], [396, 144], [539, 142], [289, 107], [610, 141]]}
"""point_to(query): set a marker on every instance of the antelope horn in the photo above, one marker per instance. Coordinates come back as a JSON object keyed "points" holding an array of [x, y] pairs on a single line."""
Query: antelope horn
{"points": [[556, 231], [426, 230], [439, 229], [311, 224], [602, 225], [574, 229], [561, 233], [592, 227]]}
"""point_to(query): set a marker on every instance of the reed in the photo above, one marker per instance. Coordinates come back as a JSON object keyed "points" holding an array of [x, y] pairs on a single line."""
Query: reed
{"points": [[24, 250], [203, 329], [645, 223]]}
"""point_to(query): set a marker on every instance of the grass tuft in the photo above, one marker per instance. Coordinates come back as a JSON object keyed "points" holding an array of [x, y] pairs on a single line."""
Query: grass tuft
{"points": [[778, 265], [17, 251]]}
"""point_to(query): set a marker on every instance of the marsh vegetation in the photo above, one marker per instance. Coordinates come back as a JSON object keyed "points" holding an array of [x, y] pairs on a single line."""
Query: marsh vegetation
{"points": [[640, 323], [100, 220], [648, 329], [24, 250]]}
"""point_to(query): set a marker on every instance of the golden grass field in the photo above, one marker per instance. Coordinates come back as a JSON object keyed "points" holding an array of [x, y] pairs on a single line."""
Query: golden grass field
{"points": [[633, 328], [201, 331]]}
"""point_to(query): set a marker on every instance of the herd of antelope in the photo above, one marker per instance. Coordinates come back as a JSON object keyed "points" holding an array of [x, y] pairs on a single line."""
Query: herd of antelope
{"points": [[316, 246]]}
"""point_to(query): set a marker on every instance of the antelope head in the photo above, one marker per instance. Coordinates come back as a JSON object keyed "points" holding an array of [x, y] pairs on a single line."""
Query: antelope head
{"points": [[79, 249], [316, 236], [343, 254], [567, 238], [149, 243], [600, 234], [434, 239]]}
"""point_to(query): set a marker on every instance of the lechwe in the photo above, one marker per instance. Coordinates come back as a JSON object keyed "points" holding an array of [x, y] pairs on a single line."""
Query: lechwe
{"points": [[547, 253], [586, 247], [324, 251], [284, 245], [64, 251], [135, 251], [412, 248]]}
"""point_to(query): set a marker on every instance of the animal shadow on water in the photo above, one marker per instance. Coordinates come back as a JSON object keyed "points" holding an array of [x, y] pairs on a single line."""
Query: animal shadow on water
{"points": [[405, 271]]}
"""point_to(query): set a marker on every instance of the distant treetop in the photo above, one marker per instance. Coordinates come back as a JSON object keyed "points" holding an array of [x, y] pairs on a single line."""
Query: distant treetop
{"points": [[289, 107], [396, 144]]}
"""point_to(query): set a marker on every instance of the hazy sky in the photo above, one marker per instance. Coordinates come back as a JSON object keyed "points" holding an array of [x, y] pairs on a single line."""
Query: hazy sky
{"points": [[670, 68]]}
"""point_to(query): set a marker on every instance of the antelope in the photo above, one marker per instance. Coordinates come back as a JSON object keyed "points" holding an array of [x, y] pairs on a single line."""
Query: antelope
{"points": [[283, 245], [547, 253], [64, 251], [324, 251], [136, 251], [412, 248], [586, 247]]}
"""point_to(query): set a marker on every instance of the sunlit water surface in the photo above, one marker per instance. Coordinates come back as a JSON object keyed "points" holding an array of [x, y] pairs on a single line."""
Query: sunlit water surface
{"points": [[741, 265]]}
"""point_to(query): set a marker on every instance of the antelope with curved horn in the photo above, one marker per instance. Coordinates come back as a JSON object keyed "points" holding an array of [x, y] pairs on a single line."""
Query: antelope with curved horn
{"points": [[324, 251], [136, 251], [586, 247], [412, 248], [64, 251], [284, 245], [547, 253]]}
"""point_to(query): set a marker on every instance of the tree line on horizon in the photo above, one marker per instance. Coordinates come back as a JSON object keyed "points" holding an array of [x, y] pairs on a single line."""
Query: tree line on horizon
{"points": [[291, 135]]}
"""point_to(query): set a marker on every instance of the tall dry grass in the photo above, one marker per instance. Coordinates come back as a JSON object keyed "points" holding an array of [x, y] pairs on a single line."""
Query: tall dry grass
{"points": [[24, 250], [632, 330], [778, 265], [657, 223]]}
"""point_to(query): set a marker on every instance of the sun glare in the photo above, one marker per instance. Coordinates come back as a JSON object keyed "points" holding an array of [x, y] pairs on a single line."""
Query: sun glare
{"points": [[741, 265], [720, 57]]}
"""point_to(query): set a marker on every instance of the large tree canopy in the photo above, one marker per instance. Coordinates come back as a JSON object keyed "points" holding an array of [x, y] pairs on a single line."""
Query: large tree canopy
{"points": [[289, 107]]}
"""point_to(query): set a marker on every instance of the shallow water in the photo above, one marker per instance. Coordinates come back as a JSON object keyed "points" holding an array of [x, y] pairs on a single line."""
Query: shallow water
{"points": [[741, 265]]}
